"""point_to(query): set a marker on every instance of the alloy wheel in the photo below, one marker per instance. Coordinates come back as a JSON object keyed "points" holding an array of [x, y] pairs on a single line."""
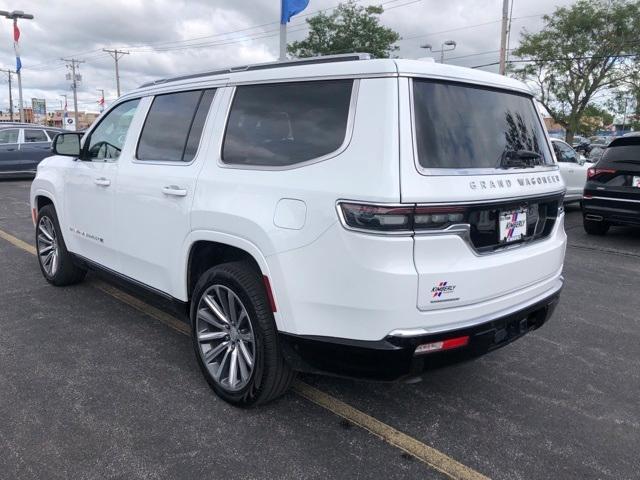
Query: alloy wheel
{"points": [[225, 337], [48, 249]]}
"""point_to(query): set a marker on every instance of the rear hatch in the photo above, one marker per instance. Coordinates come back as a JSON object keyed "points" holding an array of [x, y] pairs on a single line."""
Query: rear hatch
{"points": [[480, 170], [617, 174]]}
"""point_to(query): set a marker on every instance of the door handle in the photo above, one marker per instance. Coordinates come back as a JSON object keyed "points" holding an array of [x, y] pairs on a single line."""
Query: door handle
{"points": [[174, 190], [102, 181]]}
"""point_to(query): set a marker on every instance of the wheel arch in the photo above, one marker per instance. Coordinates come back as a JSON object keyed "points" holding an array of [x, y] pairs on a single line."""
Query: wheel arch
{"points": [[205, 249]]}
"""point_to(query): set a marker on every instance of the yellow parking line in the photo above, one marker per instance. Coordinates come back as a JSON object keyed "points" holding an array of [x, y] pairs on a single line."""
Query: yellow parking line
{"points": [[18, 243], [429, 455]]}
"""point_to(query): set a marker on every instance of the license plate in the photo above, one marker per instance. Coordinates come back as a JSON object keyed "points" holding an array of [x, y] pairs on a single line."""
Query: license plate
{"points": [[513, 225], [635, 182]]}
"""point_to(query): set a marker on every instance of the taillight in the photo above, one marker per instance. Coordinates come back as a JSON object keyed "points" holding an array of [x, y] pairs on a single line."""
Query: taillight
{"points": [[437, 217], [594, 172], [377, 218], [399, 219]]}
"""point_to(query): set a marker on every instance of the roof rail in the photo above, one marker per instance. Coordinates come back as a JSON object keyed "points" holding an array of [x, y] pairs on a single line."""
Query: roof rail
{"points": [[345, 57]]}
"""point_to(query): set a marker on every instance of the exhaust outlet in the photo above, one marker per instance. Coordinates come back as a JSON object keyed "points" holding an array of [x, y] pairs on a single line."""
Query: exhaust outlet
{"points": [[591, 216]]}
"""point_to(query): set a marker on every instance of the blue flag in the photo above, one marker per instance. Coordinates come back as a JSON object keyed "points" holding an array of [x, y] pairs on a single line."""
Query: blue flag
{"points": [[291, 8]]}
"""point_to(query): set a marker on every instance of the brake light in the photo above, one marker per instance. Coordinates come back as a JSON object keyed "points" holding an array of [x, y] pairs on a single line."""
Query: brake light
{"points": [[448, 344], [399, 219], [594, 172]]}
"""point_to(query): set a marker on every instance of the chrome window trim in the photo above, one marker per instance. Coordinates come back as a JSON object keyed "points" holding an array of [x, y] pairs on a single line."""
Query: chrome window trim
{"points": [[345, 143], [613, 199], [440, 172]]}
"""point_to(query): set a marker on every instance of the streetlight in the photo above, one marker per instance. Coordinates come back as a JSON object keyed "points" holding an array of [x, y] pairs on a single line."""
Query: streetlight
{"points": [[448, 43], [15, 15]]}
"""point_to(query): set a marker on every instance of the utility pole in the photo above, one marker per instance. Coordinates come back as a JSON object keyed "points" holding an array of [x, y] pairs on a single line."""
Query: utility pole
{"points": [[9, 73], [503, 37], [74, 84], [116, 55], [15, 15]]}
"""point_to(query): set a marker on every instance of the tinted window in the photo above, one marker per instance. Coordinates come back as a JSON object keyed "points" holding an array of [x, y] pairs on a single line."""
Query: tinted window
{"points": [[468, 127], [174, 125], [9, 135], [35, 136], [52, 133], [287, 123], [625, 149], [108, 138]]}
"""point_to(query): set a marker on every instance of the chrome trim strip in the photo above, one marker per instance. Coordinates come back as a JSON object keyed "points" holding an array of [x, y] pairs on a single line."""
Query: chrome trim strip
{"points": [[415, 332], [612, 199], [345, 143]]}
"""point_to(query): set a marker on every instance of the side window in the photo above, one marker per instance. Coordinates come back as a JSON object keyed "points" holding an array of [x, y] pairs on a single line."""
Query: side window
{"points": [[107, 139], [286, 123], [565, 153], [173, 127], [31, 136], [52, 134], [9, 135]]}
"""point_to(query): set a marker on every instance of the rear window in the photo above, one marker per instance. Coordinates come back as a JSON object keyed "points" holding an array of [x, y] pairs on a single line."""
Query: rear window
{"points": [[460, 126], [626, 149], [284, 124]]}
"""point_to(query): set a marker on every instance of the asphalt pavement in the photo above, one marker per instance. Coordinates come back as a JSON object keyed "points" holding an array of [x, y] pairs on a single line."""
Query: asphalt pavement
{"points": [[93, 388]]}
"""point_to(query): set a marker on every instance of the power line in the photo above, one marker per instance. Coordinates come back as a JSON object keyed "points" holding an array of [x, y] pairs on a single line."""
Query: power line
{"points": [[116, 55]]}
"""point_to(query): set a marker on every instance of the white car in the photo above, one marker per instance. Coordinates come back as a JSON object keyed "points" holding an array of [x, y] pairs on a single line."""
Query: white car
{"points": [[341, 215], [573, 168]]}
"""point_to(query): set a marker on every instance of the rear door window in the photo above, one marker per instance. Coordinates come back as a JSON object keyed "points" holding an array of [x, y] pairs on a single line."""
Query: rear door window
{"points": [[9, 135], [463, 127], [32, 136], [173, 127], [279, 125]]}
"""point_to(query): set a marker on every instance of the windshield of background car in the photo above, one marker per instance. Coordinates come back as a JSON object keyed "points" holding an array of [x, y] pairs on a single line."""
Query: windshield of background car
{"points": [[462, 126]]}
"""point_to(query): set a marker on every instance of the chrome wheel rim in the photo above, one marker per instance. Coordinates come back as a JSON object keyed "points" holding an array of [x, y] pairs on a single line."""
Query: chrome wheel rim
{"points": [[225, 338], [48, 249]]}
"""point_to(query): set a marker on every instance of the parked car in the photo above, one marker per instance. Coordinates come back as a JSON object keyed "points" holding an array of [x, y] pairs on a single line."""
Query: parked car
{"points": [[22, 147], [612, 193], [573, 169], [338, 215]]}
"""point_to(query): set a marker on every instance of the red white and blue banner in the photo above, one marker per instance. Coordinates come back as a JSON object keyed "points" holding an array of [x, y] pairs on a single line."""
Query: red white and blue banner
{"points": [[16, 46]]}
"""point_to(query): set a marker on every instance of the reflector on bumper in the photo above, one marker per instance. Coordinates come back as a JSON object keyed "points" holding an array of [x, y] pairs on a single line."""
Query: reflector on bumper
{"points": [[442, 345]]}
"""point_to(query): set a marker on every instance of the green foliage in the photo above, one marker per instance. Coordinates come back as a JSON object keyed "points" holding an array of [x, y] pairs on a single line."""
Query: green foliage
{"points": [[350, 28], [580, 51], [594, 118]]}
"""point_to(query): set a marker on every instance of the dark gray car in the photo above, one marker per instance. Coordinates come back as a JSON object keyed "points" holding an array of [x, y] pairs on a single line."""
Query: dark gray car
{"points": [[23, 147]]}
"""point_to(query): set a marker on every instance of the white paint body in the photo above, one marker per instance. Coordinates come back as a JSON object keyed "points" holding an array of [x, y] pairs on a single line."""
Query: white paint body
{"points": [[573, 170], [326, 280]]}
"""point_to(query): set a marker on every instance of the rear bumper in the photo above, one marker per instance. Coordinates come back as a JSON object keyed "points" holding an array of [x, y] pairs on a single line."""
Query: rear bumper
{"points": [[392, 358], [612, 210]]}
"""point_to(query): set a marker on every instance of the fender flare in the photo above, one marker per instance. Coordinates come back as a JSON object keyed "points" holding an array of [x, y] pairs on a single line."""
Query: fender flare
{"points": [[180, 287]]}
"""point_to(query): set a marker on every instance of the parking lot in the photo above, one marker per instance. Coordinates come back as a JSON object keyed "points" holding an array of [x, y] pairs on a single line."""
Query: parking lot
{"points": [[92, 386]]}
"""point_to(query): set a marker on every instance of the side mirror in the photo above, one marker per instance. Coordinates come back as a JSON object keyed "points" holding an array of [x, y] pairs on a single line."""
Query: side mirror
{"points": [[67, 144]]}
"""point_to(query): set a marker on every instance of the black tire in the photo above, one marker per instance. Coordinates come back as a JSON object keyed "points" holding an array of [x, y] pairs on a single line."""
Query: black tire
{"points": [[65, 271], [271, 375], [593, 227]]}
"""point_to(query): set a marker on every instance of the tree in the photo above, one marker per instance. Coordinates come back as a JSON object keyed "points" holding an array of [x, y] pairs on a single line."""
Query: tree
{"points": [[581, 50], [594, 118], [350, 28]]}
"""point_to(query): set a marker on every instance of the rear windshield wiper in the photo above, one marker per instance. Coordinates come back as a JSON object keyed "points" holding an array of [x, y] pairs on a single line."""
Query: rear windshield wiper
{"points": [[520, 159]]}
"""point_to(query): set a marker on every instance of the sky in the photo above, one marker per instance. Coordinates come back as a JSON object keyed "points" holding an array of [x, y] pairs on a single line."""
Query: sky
{"points": [[174, 37]]}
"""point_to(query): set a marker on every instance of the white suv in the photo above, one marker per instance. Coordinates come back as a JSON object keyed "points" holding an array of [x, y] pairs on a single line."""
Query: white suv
{"points": [[342, 215]]}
